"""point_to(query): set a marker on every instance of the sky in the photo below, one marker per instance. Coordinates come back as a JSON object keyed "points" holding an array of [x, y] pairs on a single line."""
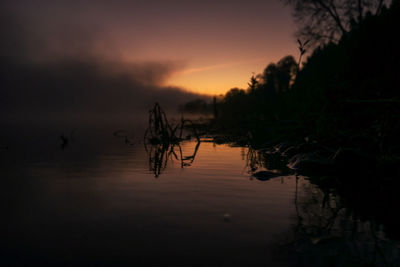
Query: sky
{"points": [[112, 58], [215, 45]]}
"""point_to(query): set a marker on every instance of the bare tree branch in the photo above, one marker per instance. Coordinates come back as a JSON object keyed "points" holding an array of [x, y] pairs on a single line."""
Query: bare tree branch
{"points": [[324, 21]]}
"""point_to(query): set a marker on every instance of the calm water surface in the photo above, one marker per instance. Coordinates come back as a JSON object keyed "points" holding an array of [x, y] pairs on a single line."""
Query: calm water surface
{"points": [[92, 204]]}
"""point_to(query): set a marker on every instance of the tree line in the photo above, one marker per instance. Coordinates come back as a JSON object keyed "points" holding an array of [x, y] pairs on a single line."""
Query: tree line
{"points": [[347, 90]]}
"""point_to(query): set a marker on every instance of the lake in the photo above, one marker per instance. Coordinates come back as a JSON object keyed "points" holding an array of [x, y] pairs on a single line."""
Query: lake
{"points": [[106, 201]]}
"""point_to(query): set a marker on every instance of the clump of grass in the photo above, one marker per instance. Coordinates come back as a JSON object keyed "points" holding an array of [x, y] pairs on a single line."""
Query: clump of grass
{"points": [[161, 139], [159, 129]]}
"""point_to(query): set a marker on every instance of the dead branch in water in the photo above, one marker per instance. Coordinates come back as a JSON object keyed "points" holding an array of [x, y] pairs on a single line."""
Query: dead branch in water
{"points": [[161, 139]]}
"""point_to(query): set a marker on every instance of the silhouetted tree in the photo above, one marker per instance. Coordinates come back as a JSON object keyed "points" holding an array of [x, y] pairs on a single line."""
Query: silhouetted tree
{"points": [[277, 77], [253, 84], [270, 83], [234, 93], [323, 21], [287, 68]]}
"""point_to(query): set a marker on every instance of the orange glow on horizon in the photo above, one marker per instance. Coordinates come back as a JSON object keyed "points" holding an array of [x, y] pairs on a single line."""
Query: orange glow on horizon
{"points": [[218, 79]]}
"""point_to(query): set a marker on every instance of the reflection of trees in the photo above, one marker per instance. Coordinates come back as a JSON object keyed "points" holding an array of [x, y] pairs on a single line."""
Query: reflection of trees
{"points": [[317, 212], [328, 234], [264, 159], [254, 161]]}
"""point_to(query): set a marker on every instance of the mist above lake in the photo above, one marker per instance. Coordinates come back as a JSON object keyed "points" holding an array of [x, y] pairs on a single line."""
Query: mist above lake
{"points": [[65, 79]]}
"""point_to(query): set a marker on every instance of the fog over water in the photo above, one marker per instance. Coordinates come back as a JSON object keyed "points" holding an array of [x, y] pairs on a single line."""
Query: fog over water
{"points": [[58, 71]]}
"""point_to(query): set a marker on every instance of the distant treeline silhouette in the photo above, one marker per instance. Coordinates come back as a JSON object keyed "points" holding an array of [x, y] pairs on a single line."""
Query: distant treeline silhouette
{"points": [[346, 93]]}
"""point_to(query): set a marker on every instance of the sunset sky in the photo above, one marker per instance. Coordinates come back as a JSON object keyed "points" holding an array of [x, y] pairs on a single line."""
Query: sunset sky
{"points": [[211, 46]]}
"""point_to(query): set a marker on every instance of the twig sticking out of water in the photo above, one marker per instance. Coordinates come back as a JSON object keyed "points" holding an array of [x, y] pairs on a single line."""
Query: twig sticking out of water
{"points": [[161, 138], [160, 131]]}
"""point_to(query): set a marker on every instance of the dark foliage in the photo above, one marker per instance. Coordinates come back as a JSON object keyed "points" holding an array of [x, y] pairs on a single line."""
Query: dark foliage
{"points": [[346, 94]]}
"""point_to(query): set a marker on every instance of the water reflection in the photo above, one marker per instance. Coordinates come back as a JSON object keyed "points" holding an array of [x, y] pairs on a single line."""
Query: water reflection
{"points": [[257, 164], [264, 165], [100, 203], [160, 154], [161, 139], [327, 233], [336, 222]]}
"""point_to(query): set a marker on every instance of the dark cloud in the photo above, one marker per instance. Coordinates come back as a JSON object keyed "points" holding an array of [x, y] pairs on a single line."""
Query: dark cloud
{"points": [[65, 77]]}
